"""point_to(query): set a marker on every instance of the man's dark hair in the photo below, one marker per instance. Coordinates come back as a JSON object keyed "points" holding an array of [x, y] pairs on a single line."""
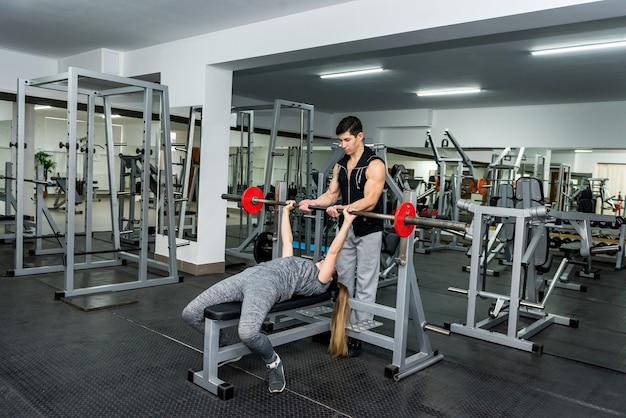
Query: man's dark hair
{"points": [[350, 124]]}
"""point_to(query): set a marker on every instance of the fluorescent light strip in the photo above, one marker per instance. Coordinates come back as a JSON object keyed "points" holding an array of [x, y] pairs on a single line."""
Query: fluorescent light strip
{"points": [[579, 48], [352, 73], [423, 93], [582, 150]]}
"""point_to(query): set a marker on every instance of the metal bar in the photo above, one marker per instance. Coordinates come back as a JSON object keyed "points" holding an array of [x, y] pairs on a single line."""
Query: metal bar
{"points": [[70, 198]]}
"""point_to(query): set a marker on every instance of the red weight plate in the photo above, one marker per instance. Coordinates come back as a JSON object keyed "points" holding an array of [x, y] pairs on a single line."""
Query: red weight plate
{"points": [[247, 200], [403, 229], [481, 186]]}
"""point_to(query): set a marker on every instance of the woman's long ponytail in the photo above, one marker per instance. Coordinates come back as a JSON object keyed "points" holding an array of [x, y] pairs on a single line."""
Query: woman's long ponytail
{"points": [[338, 346]]}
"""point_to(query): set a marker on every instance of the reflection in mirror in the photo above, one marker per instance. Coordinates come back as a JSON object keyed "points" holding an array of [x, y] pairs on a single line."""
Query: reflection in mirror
{"points": [[270, 143], [185, 171]]}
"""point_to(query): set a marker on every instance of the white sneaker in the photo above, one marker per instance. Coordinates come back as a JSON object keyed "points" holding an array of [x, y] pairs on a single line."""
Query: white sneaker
{"points": [[276, 376]]}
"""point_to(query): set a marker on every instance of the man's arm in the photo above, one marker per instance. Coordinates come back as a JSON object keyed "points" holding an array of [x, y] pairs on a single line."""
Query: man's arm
{"points": [[328, 198]]}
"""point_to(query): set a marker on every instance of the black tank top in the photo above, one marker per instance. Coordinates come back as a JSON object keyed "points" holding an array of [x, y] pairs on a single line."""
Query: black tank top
{"points": [[353, 189]]}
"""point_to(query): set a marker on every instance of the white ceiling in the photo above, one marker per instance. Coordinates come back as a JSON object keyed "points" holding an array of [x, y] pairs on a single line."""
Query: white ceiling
{"points": [[492, 54]]}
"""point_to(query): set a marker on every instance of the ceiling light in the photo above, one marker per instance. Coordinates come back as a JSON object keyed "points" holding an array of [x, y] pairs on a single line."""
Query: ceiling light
{"points": [[583, 150], [579, 48], [469, 90], [351, 73], [41, 107]]}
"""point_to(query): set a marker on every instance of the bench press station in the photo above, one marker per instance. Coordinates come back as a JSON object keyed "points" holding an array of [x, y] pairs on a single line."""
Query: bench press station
{"points": [[311, 311]]}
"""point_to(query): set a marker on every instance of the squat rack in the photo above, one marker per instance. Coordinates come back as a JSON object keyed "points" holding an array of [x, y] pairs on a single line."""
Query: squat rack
{"points": [[102, 88]]}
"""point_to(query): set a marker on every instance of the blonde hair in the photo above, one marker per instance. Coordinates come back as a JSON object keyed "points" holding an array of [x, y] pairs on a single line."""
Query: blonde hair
{"points": [[338, 346]]}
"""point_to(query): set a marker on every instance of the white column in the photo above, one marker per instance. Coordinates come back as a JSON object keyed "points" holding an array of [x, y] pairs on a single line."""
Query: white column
{"points": [[206, 254]]}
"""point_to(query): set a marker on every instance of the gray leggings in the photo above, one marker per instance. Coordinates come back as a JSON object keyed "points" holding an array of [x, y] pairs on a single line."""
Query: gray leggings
{"points": [[257, 297]]}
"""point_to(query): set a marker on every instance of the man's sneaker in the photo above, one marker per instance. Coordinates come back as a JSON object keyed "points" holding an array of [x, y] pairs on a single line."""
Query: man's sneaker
{"points": [[276, 375], [232, 360], [354, 347]]}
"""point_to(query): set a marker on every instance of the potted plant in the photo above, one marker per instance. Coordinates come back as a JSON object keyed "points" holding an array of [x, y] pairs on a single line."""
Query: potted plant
{"points": [[48, 164], [45, 160]]}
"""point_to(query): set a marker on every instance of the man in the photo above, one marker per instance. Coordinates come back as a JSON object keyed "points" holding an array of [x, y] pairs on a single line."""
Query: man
{"points": [[358, 178]]}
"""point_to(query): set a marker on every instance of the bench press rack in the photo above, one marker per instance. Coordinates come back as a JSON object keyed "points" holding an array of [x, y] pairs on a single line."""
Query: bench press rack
{"points": [[310, 310]]}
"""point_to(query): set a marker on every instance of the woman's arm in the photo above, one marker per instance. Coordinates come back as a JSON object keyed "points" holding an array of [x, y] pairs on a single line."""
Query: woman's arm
{"points": [[328, 266], [286, 235]]}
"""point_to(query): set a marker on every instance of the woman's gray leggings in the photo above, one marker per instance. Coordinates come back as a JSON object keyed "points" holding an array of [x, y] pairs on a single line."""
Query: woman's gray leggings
{"points": [[257, 297]]}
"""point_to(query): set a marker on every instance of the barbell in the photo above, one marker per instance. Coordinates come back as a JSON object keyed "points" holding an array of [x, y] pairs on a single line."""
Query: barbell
{"points": [[404, 219], [43, 182]]}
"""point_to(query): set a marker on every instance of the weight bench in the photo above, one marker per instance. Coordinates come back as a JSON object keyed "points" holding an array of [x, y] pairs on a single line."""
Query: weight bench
{"points": [[304, 310], [59, 201]]}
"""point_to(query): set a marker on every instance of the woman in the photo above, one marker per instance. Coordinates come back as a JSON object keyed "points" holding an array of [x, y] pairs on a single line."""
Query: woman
{"points": [[261, 286]]}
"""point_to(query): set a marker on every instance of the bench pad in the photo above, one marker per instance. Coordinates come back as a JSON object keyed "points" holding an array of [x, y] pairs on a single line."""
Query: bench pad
{"points": [[232, 310]]}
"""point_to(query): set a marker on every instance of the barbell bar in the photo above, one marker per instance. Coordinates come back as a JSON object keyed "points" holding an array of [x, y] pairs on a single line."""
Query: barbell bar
{"points": [[2, 177], [404, 219]]}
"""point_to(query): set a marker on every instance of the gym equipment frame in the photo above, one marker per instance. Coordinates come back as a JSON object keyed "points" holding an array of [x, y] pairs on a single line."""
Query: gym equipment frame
{"points": [[518, 305], [446, 199], [103, 88]]}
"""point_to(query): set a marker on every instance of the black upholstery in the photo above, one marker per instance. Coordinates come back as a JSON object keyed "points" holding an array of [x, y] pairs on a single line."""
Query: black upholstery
{"points": [[390, 244], [232, 310], [586, 203], [529, 193]]}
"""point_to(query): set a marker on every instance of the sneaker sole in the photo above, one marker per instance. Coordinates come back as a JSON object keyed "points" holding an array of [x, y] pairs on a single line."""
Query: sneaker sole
{"points": [[278, 391]]}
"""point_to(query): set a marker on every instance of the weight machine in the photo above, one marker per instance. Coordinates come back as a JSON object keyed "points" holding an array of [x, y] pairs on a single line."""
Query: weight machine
{"points": [[449, 192], [560, 185], [499, 172], [531, 258], [95, 87], [600, 190]]}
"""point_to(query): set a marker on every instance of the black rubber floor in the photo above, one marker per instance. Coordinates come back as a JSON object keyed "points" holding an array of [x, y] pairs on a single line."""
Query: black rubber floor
{"points": [[132, 360]]}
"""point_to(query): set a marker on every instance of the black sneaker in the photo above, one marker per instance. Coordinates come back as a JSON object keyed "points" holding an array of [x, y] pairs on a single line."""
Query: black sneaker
{"points": [[354, 347], [276, 376]]}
